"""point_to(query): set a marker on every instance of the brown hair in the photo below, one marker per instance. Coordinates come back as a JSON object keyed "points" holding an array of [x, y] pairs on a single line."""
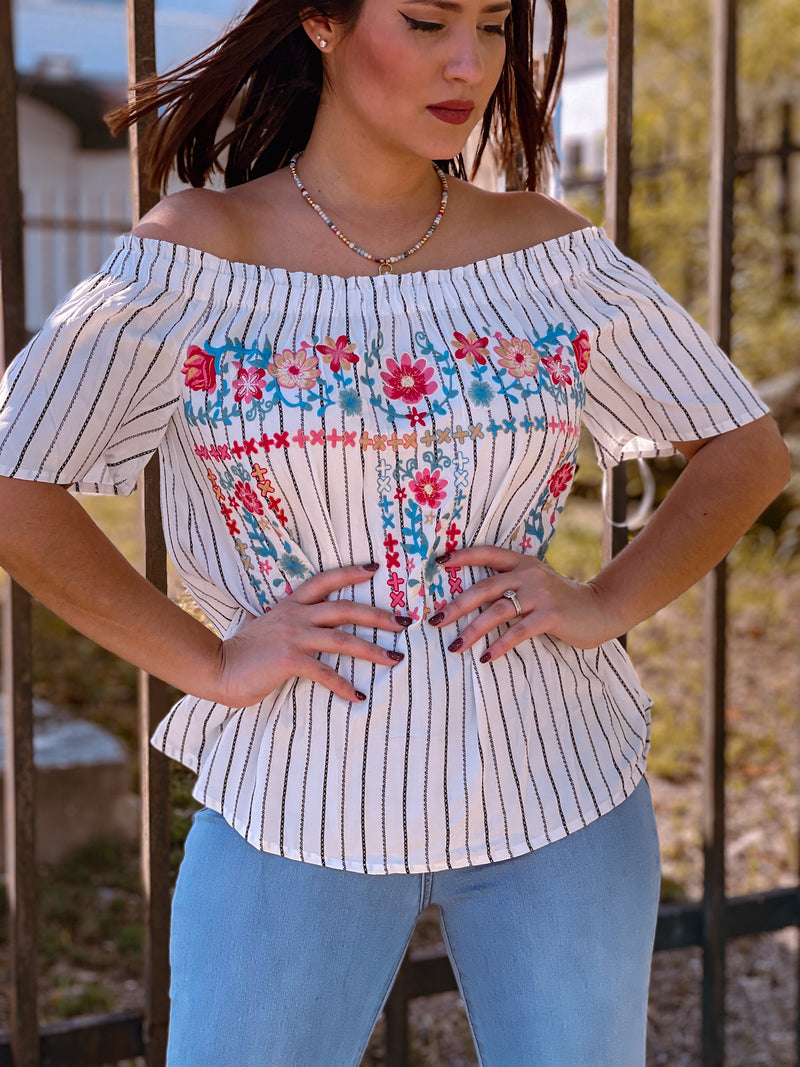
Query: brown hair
{"points": [[268, 60]]}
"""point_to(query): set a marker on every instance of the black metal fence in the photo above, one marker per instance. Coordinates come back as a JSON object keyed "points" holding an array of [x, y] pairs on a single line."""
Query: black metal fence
{"points": [[708, 923]]}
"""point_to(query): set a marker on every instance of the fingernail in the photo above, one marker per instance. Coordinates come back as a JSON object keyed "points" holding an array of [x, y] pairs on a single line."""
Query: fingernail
{"points": [[360, 696], [403, 620], [444, 558], [454, 646], [371, 567], [486, 656], [396, 656], [434, 620]]}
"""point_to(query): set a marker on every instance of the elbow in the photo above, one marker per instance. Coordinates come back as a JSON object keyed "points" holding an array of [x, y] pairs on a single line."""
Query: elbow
{"points": [[778, 462]]}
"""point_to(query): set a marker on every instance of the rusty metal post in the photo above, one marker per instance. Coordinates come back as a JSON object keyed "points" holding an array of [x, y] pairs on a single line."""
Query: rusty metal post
{"points": [[20, 810], [619, 133], [721, 228], [153, 698]]}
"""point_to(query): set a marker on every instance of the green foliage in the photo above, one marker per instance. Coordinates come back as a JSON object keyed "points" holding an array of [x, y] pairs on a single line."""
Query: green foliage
{"points": [[671, 163], [90, 1000]]}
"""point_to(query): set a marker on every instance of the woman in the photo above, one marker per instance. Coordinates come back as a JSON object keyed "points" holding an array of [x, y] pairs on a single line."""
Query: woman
{"points": [[367, 432]]}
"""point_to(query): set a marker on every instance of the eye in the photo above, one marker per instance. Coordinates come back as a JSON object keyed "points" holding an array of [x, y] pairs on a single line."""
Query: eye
{"points": [[496, 30], [424, 27]]}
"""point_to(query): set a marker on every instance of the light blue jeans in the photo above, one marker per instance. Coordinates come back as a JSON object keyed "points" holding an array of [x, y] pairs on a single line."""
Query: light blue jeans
{"points": [[279, 963]]}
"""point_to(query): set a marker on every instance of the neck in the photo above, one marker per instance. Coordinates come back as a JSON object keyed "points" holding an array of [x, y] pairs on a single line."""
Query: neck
{"points": [[366, 180]]}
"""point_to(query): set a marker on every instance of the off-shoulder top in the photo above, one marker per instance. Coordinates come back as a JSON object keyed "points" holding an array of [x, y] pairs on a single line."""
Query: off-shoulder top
{"points": [[304, 422]]}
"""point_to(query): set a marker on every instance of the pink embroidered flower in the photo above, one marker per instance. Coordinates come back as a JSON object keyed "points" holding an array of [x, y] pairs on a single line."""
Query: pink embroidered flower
{"points": [[198, 370], [408, 381], [560, 480], [428, 488], [294, 370], [333, 352], [559, 372], [517, 356], [249, 498], [471, 348], [580, 346], [249, 382], [417, 418]]}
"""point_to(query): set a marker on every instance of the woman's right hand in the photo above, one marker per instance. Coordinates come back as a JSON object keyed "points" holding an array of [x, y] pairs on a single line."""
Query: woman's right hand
{"points": [[285, 642]]}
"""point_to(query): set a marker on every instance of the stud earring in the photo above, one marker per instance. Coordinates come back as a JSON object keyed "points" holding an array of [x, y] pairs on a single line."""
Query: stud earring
{"points": [[321, 42]]}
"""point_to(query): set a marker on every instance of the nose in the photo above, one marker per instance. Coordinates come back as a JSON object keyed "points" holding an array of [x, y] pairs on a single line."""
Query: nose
{"points": [[465, 62]]}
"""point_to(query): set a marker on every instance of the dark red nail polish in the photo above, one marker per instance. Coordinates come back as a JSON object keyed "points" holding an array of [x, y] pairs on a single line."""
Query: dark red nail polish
{"points": [[434, 620], [404, 620], [360, 696], [486, 656], [454, 646], [396, 656], [443, 558], [371, 567]]}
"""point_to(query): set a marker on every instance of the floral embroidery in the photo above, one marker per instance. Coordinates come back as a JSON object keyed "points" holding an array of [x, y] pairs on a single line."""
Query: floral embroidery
{"points": [[249, 498], [408, 381], [561, 479], [428, 488], [480, 393], [350, 402], [198, 370], [333, 352], [294, 370], [424, 465], [471, 348], [249, 382], [558, 370], [581, 347], [292, 565], [517, 356]]}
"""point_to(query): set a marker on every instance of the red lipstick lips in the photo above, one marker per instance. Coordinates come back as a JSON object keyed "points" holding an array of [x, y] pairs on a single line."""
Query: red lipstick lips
{"points": [[455, 112]]}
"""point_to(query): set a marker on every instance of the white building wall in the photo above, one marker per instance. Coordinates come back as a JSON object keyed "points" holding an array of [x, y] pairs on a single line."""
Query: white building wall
{"points": [[74, 203]]}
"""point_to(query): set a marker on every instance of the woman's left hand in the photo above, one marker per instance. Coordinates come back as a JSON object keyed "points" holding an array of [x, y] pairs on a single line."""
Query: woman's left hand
{"points": [[550, 603]]}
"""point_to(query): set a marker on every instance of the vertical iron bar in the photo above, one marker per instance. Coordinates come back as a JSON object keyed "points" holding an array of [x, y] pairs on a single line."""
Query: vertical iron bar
{"points": [[619, 133], [153, 694], [19, 783], [789, 270], [723, 164]]}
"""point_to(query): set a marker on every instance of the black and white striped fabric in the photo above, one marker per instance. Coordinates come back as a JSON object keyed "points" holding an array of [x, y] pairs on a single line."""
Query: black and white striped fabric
{"points": [[305, 422]]}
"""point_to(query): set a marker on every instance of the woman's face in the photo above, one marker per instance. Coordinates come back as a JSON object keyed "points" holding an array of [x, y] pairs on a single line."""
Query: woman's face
{"points": [[418, 74]]}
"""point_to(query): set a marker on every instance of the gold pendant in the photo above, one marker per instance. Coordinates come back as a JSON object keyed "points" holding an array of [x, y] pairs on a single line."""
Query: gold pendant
{"points": [[384, 267]]}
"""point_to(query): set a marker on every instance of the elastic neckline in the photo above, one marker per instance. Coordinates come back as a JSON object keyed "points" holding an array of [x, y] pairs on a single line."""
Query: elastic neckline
{"points": [[207, 261]]}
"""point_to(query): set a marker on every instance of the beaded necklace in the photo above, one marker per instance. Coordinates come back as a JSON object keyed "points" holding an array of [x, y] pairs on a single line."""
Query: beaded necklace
{"points": [[384, 262]]}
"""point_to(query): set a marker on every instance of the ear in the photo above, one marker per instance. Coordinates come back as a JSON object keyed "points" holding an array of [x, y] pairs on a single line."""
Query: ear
{"points": [[321, 31]]}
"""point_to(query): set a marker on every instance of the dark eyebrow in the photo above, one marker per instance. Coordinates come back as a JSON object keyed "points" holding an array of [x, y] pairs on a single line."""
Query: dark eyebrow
{"points": [[449, 5]]}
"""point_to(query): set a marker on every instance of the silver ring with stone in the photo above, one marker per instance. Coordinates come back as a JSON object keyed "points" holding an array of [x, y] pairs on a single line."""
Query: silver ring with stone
{"points": [[509, 594]]}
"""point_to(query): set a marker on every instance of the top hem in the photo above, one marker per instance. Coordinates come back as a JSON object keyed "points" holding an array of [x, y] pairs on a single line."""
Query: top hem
{"points": [[199, 259]]}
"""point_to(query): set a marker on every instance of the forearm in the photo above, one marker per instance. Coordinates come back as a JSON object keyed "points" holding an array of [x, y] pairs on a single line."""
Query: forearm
{"points": [[52, 548], [724, 488]]}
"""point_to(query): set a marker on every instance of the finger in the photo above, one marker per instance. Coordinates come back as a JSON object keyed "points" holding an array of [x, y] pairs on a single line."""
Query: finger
{"points": [[341, 643], [320, 586], [499, 559], [485, 592], [520, 630], [496, 614], [340, 612], [317, 671]]}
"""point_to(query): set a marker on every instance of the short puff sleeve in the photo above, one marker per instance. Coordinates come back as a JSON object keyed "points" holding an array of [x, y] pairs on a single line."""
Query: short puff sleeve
{"points": [[88, 400], [655, 376]]}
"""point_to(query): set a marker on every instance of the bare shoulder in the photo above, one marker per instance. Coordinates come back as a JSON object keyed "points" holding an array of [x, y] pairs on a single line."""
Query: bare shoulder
{"points": [[543, 217], [198, 218], [523, 219]]}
